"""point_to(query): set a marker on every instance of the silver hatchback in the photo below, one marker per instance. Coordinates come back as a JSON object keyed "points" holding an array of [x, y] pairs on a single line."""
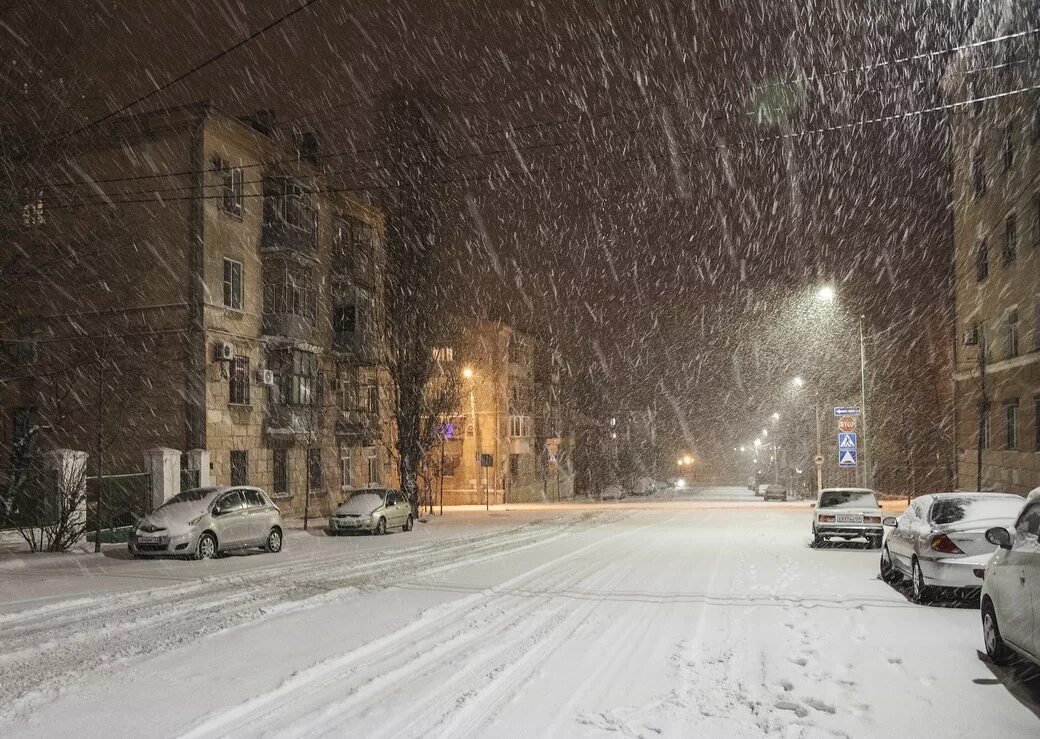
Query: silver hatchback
{"points": [[203, 522]]}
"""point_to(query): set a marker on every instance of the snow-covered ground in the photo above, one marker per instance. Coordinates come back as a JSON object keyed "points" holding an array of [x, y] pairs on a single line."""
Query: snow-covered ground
{"points": [[695, 617]]}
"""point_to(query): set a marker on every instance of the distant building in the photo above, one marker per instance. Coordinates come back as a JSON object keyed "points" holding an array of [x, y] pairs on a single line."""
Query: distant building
{"points": [[995, 145], [509, 413], [209, 292]]}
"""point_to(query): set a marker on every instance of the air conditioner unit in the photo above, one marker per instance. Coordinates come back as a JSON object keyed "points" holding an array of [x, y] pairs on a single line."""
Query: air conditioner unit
{"points": [[265, 377], [223, 351], [971, 337]]}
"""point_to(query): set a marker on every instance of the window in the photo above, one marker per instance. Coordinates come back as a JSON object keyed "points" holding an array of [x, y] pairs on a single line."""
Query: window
{"points": [[1036, 422], [1011, 425], [346, 468], [281, 473], [230, 188], [239, 467], [519, 426], [233, 284], [514, 465], [347, 391], [352, 249], [1011, 333], [289, 289], [315, 473], [33, 212], [1010, 240], [233, 501], [344, 318], [982, 260], [372, 395], [372, 466], [1009, 148], [1028, 523], [984, 428], [254, 499], [518, 353], [298, 377], [978, 172], [288, 203], [239, 385], [443, 354]]}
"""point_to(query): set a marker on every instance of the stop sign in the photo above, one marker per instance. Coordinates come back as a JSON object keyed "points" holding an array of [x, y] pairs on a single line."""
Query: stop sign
{"points": [[847, 424]]}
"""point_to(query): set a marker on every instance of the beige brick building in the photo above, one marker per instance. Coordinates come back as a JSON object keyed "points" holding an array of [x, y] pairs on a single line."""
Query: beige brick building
{"points": [[995, 148], [208, 291], [510, 409]]}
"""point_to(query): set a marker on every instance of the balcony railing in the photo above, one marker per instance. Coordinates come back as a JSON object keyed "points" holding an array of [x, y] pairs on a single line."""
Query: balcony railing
{"points": [[358, 346], [302, 239], [289, 325], [291, 421], [358, 426]]}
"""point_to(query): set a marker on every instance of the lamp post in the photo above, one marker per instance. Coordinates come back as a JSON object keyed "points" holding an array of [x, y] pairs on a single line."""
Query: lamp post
{"points": [[826, 294], [798, 382]]}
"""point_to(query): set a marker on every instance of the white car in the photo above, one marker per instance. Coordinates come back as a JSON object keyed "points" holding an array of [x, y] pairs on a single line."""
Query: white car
{"points": [[644, 486], [612, 492], [847, 513], [1011, 589], [940, 540]]}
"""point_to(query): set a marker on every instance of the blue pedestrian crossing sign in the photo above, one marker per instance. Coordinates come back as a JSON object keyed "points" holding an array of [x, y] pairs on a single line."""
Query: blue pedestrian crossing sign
{"points": [[847, 457], [847, 441]]}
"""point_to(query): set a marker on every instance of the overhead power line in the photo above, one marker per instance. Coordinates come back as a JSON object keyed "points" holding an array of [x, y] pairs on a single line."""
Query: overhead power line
{"points": [[503, 174], [198, 67]]}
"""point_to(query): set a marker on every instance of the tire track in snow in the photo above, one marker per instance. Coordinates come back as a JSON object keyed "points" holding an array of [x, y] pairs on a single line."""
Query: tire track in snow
{"points": [[55, 643]]}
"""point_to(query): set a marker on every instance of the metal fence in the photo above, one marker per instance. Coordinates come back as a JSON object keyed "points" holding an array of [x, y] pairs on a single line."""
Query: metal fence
{"points": [[189, 478], [124, 499]]}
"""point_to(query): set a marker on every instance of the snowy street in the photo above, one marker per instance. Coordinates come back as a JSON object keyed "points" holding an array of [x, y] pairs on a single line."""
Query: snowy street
{"points": [[649, 617]]}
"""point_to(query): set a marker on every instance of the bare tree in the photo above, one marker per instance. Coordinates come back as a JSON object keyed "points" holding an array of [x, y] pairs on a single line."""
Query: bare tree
{"points": [[53, 517]]}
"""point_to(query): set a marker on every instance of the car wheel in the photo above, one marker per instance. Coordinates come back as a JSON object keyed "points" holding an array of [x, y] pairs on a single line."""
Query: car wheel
{"points": [[381, 527], [274, 541], [919, 592], [995, 647], [207, 547], [888, 570], [133, 554], [407, 524]]}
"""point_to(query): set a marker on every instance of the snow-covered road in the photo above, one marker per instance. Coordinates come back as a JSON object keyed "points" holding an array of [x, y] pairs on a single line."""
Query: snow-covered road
{"points": [[666, 618]]}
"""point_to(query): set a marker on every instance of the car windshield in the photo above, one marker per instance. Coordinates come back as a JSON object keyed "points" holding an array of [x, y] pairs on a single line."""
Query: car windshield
{"points": [[362, 503], [848, 499], [189, 496], [980, 508]]}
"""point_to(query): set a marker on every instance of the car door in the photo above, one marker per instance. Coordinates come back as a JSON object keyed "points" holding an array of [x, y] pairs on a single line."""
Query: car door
{"points": [[899, 545], [393, 510], [403, 507], [232, 520], [1016, 581], [258, 516]]}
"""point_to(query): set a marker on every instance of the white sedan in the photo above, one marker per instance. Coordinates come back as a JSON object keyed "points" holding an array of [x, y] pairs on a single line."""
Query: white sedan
{"points": [[940, 540], [847, 513], [1011, 589]]}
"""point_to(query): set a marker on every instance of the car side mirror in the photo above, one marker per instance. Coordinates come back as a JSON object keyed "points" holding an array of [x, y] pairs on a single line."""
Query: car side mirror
{"points": [[998, 536], [891, 521]]}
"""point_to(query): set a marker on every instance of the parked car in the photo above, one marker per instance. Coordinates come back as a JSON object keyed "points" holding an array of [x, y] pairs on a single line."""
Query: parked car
{"points": [[612, 492], [1010, 600], [204, 522], [372, 511], [847, 513], [940, 540], [644, 486], [774, 492]]}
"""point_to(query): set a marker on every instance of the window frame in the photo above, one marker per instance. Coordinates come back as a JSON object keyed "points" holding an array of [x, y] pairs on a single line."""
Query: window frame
{"points": [[346, 469], [979, 184], [982, 260], [984, 429], [239, 381], [1008, 148], [231, 296], [280, 459], [1010, 252], [232, 189], [242, 455], [1011, 426], [315, 470]]}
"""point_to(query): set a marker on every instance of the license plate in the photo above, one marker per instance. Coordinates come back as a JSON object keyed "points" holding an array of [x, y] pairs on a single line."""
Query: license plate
{"points": [[149, 539], [847, 518]]}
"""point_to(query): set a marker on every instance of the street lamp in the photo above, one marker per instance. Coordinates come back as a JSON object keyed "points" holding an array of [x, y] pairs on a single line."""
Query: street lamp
{"points": [[776, 417], [467, 372], [765, 432], [826, 294], [798, 381]]}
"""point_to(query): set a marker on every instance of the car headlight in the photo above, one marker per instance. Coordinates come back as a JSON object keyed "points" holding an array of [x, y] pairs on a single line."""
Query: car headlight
{"points": [[194, 521]]}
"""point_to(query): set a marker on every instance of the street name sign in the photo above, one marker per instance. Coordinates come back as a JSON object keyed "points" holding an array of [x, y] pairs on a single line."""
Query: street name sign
{"points": [[853, 411], [846, 424], [847, 457]]}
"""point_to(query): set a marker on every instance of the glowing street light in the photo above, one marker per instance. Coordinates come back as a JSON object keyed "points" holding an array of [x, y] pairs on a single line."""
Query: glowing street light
{"points": [[825, 294], [776, 417], [765, 433], [467, 372], [798, 381]]}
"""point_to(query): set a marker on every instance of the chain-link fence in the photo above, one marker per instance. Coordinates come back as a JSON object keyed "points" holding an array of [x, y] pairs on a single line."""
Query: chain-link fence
{"points": [[124, 499]]}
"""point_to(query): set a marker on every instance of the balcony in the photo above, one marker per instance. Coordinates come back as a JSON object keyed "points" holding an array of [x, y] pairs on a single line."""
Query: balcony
{"points": [[356, 346], [289, 325], [300, 239], [292, 421], [358, 427]]}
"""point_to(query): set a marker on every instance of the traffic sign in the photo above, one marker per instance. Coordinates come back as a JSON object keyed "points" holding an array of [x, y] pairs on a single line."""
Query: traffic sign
{"points": [[847, 457], [852, 411], [846, 424], [847, 441], [486, 460]]}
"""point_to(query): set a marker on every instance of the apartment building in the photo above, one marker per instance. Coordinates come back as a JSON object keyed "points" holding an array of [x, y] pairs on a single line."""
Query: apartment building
{"points": [[995, 147], [506, 441], [208, 290]]}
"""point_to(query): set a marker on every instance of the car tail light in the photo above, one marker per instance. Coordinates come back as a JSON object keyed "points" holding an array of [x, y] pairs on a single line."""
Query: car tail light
{"points": [[872, 519], [826, 519], [943, 543]]}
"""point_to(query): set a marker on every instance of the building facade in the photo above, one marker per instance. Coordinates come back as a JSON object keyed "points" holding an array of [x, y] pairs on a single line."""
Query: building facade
{"points": [[506, 441], [210, 292], [995, 147]]}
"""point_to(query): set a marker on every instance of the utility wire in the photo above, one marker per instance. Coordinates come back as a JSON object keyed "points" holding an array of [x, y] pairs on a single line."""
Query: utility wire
{"points": [[504, 174], [198, 67]]}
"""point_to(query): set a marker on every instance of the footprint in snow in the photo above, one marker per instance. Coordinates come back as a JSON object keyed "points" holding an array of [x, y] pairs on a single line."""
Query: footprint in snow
{"points": [[787, 685], [800, 661], [798, 709], [820, 706]]}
